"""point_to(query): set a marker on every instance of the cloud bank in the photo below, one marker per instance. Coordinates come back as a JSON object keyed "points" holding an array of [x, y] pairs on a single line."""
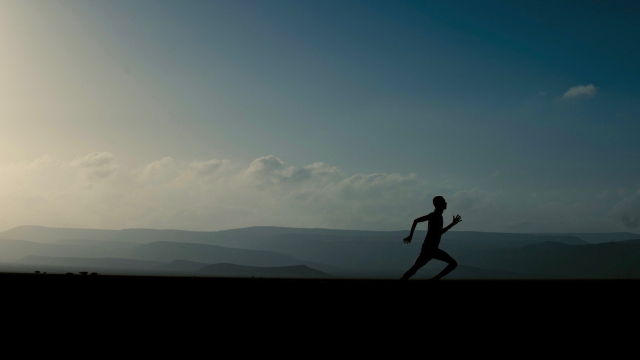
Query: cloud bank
{"points": [[95, 191]]}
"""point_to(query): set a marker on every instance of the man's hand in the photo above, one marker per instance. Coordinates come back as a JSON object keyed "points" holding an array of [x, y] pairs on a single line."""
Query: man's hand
{"points": [[456, 219], [407, 240]]}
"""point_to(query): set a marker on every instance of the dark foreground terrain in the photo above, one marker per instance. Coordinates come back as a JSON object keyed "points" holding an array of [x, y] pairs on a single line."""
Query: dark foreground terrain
{"points": [[452, 315]]}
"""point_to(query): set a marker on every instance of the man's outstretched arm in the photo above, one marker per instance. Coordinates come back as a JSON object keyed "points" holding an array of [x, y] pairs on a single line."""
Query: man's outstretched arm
{"points": [[456, 219], [413, 227]]}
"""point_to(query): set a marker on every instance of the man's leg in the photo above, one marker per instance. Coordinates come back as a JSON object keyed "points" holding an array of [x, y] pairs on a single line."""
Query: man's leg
{"points": [[451, 263], [421, 261]]}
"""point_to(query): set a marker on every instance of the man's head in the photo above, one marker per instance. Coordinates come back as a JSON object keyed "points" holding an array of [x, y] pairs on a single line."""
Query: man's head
{"points": [[439, 203]]}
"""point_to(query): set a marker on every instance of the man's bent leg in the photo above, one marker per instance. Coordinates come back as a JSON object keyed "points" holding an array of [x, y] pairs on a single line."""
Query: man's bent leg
{"points": [[451, 263], [421, 261]]}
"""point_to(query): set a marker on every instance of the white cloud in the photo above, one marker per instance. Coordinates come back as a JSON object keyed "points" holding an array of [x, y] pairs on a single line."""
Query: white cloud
{"points": [[97, 165], [171, 194], [270, 170], [580, 91], [157, 169], [267, 170]]}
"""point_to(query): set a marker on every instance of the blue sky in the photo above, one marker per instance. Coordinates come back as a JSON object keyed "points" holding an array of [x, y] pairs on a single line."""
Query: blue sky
{"points": [[395, 85], [472, 98]]}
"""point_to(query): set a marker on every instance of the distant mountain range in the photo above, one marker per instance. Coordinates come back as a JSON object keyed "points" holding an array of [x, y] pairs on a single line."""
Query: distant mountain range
{"points": [[162, 252], [251, 236], [350, 253]]}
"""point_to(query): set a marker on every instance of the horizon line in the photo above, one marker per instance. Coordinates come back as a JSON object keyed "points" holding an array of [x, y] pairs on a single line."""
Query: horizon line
{"points": [[313, 228]]}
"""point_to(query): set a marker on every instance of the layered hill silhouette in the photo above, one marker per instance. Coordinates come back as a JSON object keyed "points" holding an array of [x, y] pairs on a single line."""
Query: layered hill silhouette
{"points": [[252, 236], [169, 251], [346, 253], [369, 253], [161, 252]]}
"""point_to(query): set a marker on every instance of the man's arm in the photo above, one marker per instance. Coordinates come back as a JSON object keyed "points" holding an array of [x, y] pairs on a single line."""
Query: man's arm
{"points": [[456, 219], [413, 227]]}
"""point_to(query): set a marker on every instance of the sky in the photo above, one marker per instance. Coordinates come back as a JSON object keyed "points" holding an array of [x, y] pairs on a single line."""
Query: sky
{"points": [[210, 115]]}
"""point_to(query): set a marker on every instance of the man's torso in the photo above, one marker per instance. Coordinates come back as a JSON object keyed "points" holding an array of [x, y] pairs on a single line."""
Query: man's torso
{"points": [[432, 240]]}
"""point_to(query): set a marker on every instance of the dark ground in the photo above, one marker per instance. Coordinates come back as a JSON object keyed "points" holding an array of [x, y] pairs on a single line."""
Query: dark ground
{"points": [[265, 315]]}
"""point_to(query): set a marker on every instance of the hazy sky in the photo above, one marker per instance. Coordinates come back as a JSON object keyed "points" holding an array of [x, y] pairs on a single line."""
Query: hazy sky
{"points": [[209, 115]]}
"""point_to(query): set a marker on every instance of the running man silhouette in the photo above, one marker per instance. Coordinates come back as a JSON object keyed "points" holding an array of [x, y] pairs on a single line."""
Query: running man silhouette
{"points": [[430, 248]]}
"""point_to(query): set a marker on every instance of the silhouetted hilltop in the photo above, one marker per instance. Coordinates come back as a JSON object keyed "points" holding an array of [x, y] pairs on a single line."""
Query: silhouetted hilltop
{"points": [[233, 270]]}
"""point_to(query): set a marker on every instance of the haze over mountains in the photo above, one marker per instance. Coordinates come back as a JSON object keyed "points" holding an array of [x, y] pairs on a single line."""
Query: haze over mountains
{"points": [[294, 252], [248, 237]]}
